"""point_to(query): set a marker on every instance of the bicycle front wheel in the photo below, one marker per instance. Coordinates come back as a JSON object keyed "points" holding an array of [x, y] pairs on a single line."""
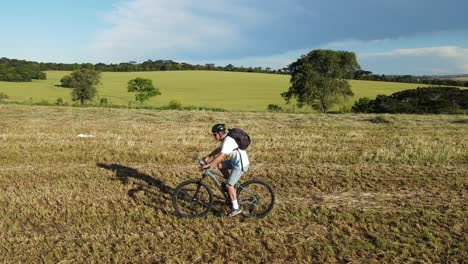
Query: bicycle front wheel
{"points": [[256, 198], [192, 199]]}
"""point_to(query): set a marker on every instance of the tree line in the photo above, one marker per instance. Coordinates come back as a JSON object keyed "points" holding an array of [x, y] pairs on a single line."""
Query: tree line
{"points": [[24, 71], [157, 65], [367, 75], [12, 70]]}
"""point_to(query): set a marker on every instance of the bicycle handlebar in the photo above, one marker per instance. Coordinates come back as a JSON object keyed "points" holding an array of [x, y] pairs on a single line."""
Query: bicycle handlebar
{"points": [[201, 162], [207, 170]]}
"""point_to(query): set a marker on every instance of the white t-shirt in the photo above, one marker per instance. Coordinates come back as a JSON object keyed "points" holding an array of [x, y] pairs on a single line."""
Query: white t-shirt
{"points": [[229, 147]]}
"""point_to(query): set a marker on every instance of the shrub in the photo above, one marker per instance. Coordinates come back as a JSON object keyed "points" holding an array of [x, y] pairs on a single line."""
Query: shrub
{"points": [[344, 110], [460, 121], [103, 101], [274, 108], [363, 105], [42, 102], [66, 81], [423, 100], [380, 120], [3, 96], [59, 101], [175, 104], [41, 76]]}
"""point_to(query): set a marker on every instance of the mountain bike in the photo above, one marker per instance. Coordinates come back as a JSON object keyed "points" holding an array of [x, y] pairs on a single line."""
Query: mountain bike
{"points": [[194, 198]]}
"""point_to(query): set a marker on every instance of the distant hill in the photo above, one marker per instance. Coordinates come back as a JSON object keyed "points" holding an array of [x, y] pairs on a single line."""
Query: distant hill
{"points": [[458, 77], [454, 76]]}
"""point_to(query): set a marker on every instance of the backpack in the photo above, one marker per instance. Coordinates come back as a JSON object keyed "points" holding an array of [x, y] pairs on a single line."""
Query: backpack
{"points": [[241, 137]]}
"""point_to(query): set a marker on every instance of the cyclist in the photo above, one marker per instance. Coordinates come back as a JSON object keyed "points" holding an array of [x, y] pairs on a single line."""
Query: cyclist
{"points": [[232, 168]]}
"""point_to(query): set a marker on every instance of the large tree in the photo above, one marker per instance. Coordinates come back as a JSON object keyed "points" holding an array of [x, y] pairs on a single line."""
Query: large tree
{"points": [[84, 83], [144, 89], [319, 78]]}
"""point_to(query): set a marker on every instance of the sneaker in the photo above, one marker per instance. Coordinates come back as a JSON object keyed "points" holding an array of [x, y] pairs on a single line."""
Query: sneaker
{"points": [[234, 212]]}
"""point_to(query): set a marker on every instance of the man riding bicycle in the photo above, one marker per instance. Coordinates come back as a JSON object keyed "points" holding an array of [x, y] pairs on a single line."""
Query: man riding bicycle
{"points": [[232, 168]]}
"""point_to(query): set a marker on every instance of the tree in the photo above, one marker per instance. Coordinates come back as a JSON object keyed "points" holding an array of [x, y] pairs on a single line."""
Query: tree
{"points": [[319, 79], [144, 89], [88, 66], [361, 73], [83, 82], [66, 81]]}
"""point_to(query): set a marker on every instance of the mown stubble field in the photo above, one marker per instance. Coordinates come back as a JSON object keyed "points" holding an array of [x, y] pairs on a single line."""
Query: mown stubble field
{"points": [[349, 189]]}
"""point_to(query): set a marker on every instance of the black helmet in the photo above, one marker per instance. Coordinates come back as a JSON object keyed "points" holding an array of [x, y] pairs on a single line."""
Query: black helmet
{"points": [[218, 128]]}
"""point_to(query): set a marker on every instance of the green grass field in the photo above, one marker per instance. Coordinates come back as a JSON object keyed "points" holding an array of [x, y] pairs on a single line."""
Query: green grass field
{"points": [[228, 90], [348, 190]]}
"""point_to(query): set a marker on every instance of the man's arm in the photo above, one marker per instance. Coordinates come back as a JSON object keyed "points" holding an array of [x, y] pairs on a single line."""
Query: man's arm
{"points": [[219, 157], [212, 154]]}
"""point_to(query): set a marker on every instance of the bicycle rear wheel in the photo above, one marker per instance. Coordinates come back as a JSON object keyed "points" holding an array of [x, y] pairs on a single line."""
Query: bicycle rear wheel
{"points": [[192, 199], [256, 198]]}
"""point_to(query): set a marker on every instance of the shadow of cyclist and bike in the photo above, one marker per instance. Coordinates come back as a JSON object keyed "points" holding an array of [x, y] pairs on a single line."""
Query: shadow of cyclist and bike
{"points": [[150, 191]]}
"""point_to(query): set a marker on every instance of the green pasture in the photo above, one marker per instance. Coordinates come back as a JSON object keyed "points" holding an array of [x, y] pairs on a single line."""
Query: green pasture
{"points": [[228, 90]]}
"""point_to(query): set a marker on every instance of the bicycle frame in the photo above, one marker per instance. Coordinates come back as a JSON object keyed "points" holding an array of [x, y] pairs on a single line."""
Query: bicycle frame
{"points": [[212, 174]]}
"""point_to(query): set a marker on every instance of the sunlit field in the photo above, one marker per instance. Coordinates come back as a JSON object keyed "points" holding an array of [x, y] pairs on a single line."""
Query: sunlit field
{"points": [[350, 188], [461, 79], [228, 90]]}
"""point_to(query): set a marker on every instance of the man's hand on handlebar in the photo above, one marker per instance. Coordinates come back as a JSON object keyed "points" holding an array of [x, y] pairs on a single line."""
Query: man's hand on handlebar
{"points": [[203, 163]]}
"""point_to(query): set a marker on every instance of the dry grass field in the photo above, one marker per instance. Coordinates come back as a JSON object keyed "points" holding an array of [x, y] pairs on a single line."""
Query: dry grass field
{"points": [[350, 188], [461, 79]]}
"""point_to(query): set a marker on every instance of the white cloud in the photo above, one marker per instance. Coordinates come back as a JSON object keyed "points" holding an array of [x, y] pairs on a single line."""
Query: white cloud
{"points": [[162, 29], [428, 60], [465, 68], [275, 61], [226, 31], [344, 44], [447, 52]]}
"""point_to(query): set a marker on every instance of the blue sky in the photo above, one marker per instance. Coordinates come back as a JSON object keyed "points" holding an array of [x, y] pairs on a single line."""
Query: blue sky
{"points": [[388, 36]]}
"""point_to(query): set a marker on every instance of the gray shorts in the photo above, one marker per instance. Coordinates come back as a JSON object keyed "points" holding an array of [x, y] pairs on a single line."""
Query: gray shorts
{"points": [[234, 174]]}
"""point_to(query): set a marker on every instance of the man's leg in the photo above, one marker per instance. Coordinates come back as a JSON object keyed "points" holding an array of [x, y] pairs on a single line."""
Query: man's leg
{"points": [[232, 192], [224, 168], [232, 180]]}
